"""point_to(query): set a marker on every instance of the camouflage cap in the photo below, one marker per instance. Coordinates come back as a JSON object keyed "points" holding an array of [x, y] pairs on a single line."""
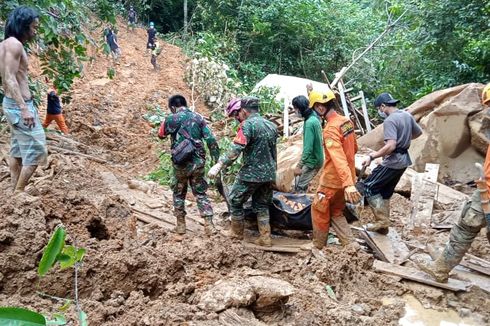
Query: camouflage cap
{"points": [[250, 102]]}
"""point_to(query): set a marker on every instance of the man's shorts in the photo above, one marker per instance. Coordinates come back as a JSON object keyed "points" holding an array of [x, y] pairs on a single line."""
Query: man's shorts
{"points": [[26, 143]]}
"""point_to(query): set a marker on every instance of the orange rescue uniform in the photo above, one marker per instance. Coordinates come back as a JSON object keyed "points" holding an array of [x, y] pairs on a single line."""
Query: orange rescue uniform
{"points": [[340, 145], [60, 121]]}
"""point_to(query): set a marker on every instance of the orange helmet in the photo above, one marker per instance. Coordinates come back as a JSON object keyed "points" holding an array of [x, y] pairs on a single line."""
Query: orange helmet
{"points": [[485, 96]]}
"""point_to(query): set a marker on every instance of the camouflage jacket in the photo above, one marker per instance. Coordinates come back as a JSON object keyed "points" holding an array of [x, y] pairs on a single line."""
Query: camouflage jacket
{"points": [[194, 125], [256, 138]]}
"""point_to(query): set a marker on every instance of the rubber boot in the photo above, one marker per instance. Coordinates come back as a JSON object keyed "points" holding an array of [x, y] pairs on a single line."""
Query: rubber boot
{"points": [[180, 227], [319, 238], [209, 228], [342, 229], [381, 211], [265, 235], [237, 227], [438, 269]]}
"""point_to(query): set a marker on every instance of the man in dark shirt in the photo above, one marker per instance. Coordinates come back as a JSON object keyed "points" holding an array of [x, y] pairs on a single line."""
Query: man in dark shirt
{"points": [[111, 39], [54, 112], [131, 17], [152, 34], [400, 128]]}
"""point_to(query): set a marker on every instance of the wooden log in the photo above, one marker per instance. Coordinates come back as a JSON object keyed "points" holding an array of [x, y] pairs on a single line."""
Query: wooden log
{"points": [[419, 276], [152, 220], [161, 218], [70, 152]]}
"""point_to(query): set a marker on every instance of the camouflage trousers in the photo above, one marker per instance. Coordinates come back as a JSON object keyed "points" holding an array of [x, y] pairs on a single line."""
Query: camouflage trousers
{"points": [[261, 199], [181, 178], [471, 221]]}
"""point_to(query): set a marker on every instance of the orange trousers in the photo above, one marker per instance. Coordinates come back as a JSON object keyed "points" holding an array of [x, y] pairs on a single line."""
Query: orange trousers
{"points": [[328, 208], [60, 121], [331, 204]]}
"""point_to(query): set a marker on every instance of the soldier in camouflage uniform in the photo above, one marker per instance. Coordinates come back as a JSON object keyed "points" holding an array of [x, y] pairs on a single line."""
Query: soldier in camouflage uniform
{"points": [[257, 139], [178, 125]]}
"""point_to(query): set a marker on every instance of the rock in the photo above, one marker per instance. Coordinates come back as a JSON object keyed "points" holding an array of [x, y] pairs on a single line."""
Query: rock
{"points": [[260, 292], [139, 185], [226, 294], [358, 309], [464, 312], [270, 291], [241, 316]]}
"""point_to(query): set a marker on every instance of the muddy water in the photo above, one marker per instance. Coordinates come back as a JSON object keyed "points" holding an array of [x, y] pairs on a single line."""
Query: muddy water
{"points": [[417, 315]]}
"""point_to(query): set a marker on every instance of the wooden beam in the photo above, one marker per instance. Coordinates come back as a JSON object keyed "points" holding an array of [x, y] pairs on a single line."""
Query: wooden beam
{"points": [[424, 189], [286, 118], [419, 276], [274, 248], [391, 245], [344, 101], [365, 113]]}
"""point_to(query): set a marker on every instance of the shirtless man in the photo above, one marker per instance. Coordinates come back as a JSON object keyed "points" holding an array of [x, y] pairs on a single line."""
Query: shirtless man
{"points": [[28, 141]]}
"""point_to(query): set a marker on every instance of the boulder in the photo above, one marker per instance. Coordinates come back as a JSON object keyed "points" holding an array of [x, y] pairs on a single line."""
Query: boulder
{"points": [[258, 292]]}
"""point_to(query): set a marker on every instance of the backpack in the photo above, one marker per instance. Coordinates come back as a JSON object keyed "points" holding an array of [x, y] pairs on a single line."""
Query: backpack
{"points": [[184, 151]]}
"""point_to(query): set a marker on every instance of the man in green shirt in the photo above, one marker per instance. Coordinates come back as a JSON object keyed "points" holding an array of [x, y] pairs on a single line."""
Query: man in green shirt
{"points": [[256, 139], [312, 157]]}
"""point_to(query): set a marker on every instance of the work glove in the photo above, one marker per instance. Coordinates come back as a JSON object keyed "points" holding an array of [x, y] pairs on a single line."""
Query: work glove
{"points": [[213, 172], [352, 195], [297, 171]]}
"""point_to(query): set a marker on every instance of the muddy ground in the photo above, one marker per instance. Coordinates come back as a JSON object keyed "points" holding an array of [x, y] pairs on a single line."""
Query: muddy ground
{"points": [[142, 274]]}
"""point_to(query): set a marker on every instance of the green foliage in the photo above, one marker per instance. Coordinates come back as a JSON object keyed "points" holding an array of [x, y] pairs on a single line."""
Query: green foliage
{"points": [[56, 251], [437, 44], [52, 251], [82, 318], [20, 317], [268, 102], [58, 319], [155, 116], [111, 73], [163, 174], [70, 255]]}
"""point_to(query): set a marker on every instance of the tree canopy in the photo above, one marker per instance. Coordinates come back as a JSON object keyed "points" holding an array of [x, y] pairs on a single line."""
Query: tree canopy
{"points": [[437, 44]]}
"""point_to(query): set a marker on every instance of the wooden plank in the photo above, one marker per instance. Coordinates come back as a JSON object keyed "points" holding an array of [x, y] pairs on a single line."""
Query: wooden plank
{"points": [[424, 187], [391, 245], [286, 118], [166, 219], [365, 113], [273, 248], [378, 253], [476, 264], [149, 220], [419, 276], [343, 101], [478, 280]]}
